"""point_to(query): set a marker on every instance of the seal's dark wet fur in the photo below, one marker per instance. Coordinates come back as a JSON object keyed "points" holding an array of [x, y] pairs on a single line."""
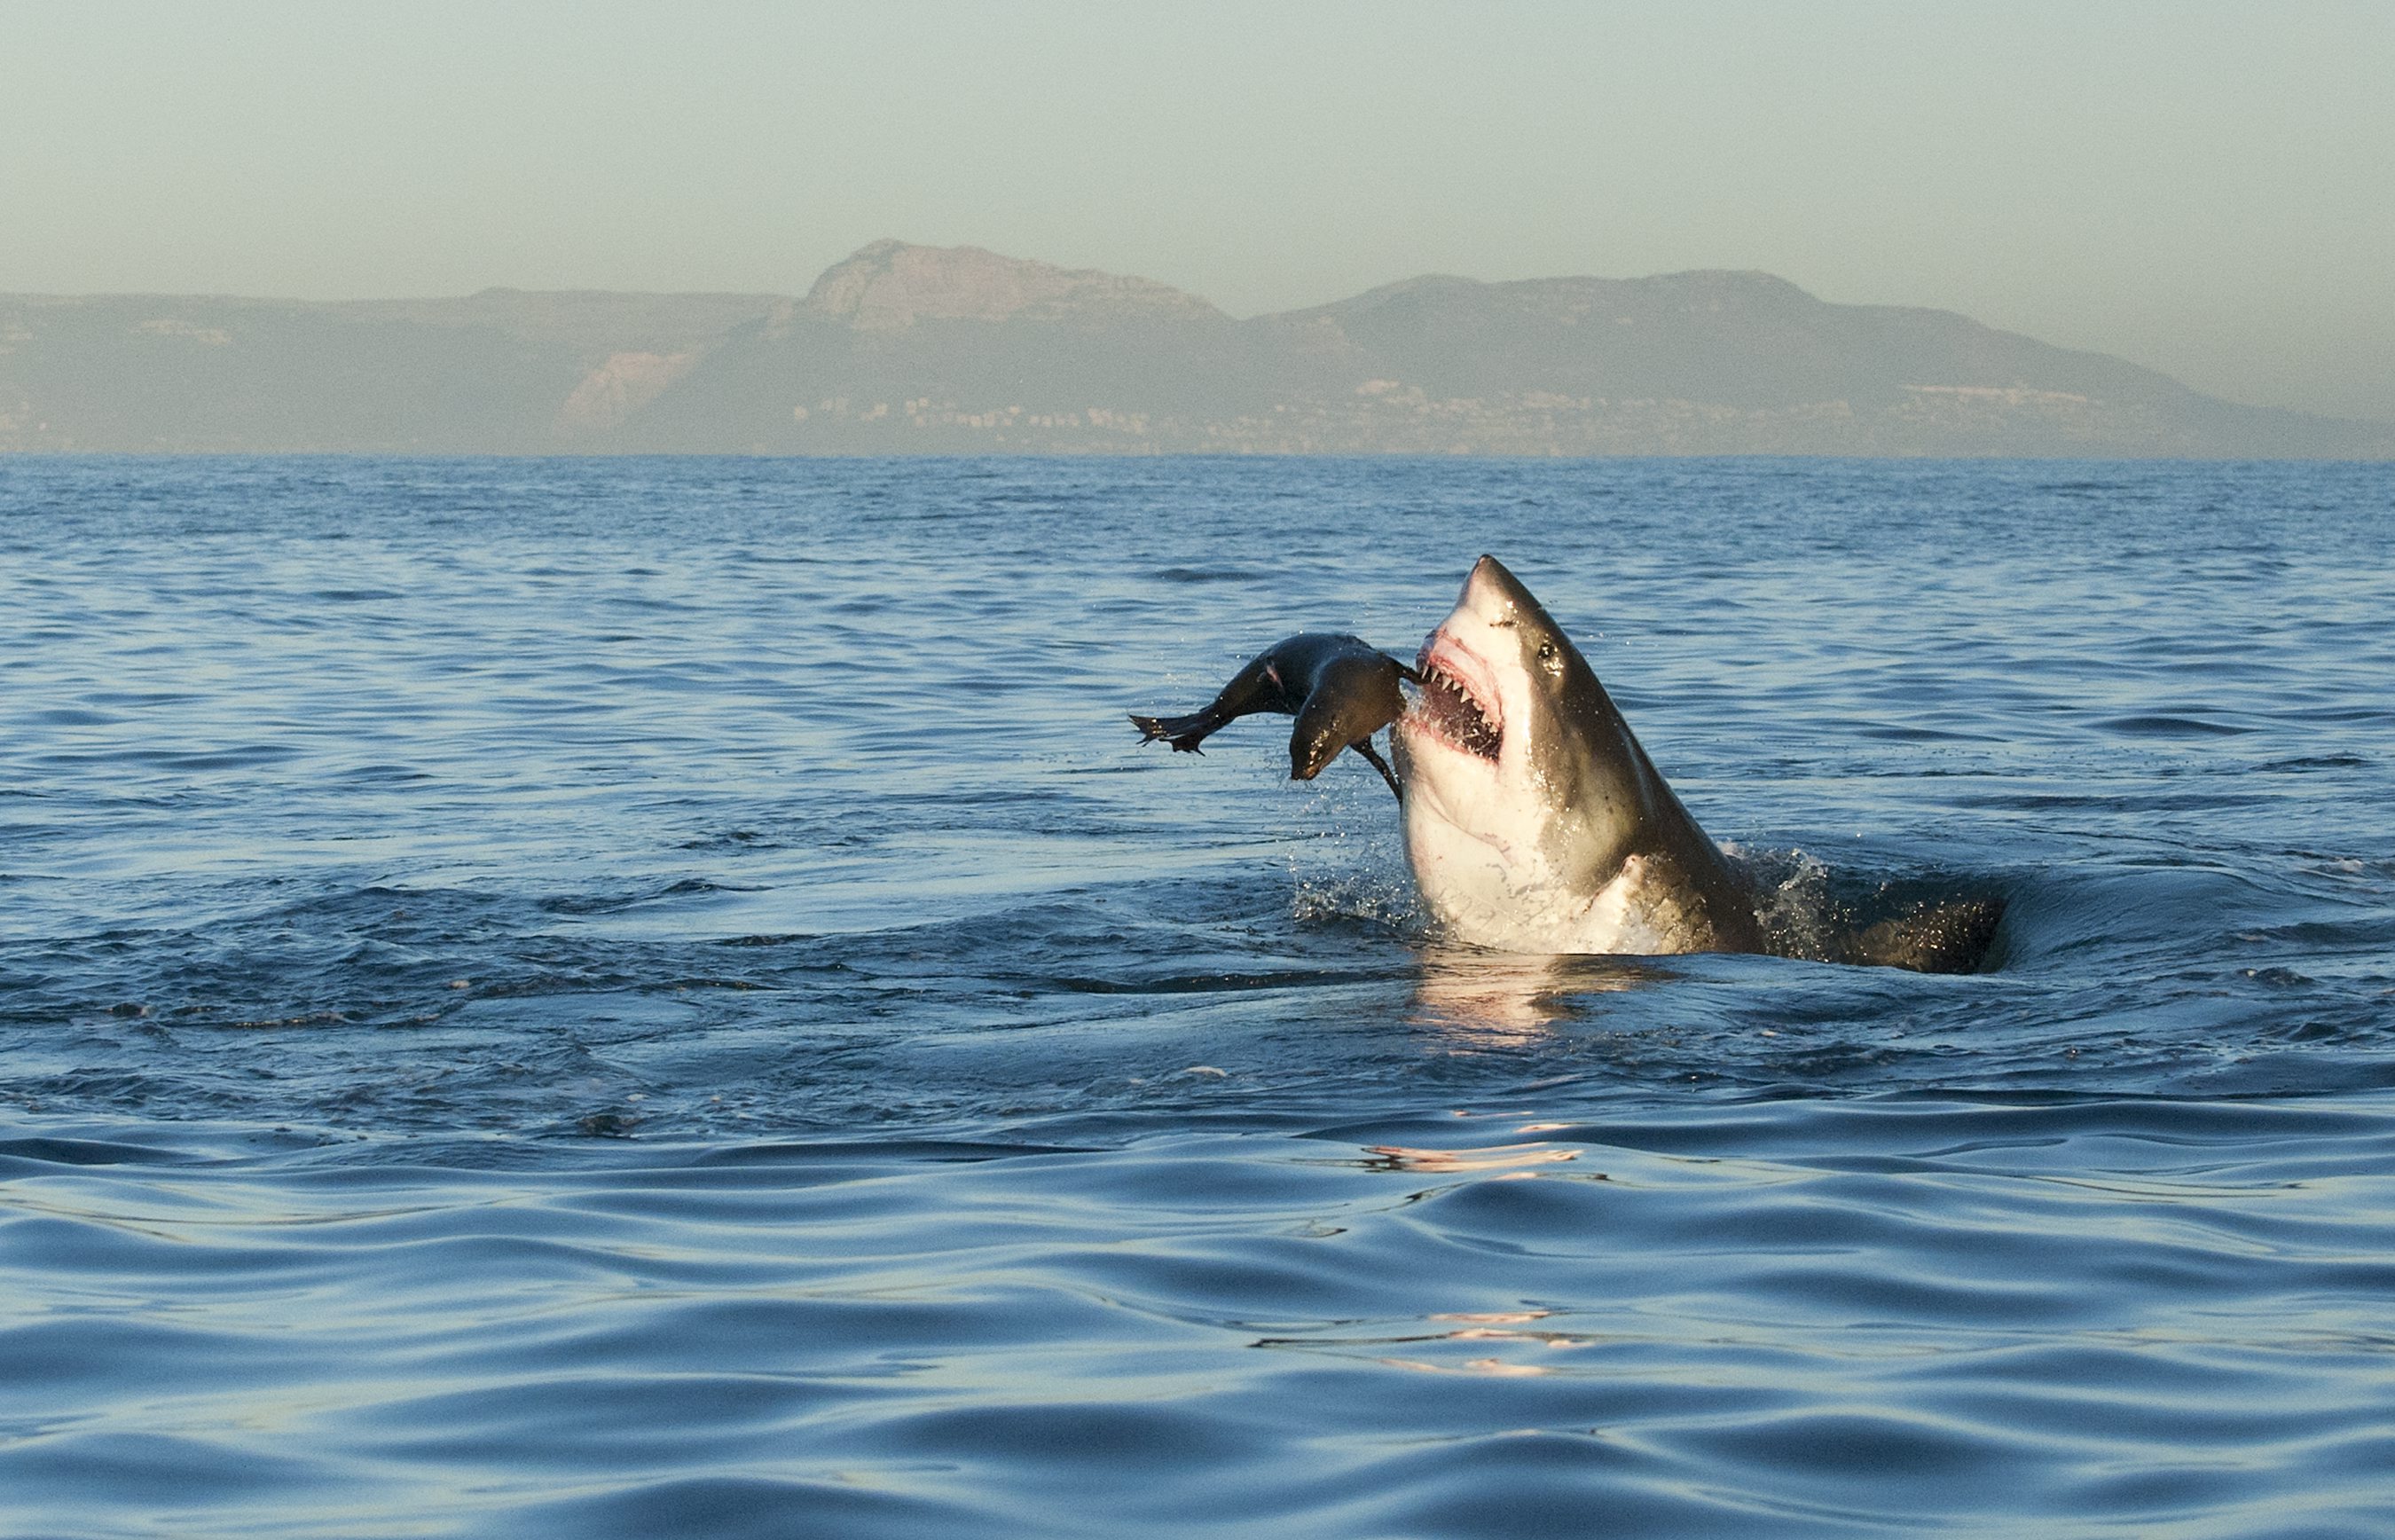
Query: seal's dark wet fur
{"points": [[1342, 689]]}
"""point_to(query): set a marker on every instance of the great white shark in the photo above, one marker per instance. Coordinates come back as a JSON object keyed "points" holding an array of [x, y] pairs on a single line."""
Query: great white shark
{"points": [[1534, 820]]}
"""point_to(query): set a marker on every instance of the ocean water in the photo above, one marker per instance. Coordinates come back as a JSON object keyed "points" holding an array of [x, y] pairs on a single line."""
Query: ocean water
{"points": [[642, 997]]}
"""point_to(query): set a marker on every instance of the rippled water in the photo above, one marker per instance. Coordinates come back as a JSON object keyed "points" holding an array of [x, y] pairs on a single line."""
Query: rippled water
{"points": [[661, 998]]}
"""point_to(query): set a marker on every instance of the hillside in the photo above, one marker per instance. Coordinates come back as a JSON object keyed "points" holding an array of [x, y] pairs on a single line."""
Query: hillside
{"points": [[903, 349]]}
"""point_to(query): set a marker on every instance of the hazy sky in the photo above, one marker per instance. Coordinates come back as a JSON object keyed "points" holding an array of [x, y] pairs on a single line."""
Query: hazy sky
{"points": [[2207, 189]]}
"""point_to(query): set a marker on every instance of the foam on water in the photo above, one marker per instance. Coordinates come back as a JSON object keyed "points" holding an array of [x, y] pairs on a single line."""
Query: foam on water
{"points": [[662, 997]]}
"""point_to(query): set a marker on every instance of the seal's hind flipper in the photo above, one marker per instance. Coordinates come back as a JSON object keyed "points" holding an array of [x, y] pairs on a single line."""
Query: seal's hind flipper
{"points": [[1185, 733]]}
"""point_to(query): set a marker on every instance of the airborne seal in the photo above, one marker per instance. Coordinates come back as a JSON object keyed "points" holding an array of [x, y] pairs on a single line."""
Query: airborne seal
{"points": [[1342, 689]]}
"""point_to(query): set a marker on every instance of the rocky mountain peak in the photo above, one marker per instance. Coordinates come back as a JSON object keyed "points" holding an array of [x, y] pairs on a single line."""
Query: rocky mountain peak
{"points": [[890, 286]]}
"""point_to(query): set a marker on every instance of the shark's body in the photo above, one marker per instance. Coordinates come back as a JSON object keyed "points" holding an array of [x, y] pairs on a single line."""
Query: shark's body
{"points": [[1534, 821]]}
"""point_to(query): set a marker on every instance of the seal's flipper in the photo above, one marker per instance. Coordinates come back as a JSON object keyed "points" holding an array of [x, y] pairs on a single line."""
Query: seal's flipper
{"points": [[1185, 733], [1364, 746]]}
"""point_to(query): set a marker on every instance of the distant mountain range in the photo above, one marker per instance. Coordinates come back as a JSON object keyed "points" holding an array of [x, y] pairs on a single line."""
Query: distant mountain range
{"points": [[907, 349]]}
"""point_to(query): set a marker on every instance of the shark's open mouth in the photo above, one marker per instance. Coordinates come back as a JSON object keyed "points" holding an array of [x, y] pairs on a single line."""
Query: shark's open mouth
{"points": [[1449, 707]]}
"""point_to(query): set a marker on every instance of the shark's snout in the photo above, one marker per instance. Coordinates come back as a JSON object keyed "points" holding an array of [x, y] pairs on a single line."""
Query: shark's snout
{"points": [[1492, 592]]}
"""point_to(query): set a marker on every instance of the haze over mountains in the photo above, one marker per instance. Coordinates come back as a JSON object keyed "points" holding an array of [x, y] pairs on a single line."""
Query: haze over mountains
{"points": [[903, 349]]}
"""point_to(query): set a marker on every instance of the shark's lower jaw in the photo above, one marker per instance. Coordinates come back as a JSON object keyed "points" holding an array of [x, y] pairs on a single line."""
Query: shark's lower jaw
{"points": [[1450, 710]]}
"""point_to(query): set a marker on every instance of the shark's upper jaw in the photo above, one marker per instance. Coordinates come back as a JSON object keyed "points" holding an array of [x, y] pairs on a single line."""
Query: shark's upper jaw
{"points": [[1458, 705]]}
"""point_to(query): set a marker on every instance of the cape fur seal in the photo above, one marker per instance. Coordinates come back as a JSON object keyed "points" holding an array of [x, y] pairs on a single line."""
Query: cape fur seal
{"points": [[1342, 689]]}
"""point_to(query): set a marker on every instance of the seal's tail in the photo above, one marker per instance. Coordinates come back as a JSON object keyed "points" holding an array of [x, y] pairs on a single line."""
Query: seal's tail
{"points": [[1185, 733]]}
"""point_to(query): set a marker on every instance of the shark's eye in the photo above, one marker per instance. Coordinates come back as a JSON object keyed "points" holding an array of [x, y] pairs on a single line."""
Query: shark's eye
{"points": [[1547, 653]]}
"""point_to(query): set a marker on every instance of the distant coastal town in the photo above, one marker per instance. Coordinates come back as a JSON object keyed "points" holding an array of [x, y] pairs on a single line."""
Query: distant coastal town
{"points": [[917, 350]]}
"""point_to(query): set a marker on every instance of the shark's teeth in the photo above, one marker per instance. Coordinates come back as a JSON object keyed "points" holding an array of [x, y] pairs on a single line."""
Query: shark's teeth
{"points": [[1447, 708]]}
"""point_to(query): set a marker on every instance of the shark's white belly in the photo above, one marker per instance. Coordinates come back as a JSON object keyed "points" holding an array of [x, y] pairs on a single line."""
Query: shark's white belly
{"points": [[1492, 892]]}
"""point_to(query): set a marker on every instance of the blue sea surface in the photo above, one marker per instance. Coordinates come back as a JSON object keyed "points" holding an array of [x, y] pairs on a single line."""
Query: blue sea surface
{"points": [[663, 998]]}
